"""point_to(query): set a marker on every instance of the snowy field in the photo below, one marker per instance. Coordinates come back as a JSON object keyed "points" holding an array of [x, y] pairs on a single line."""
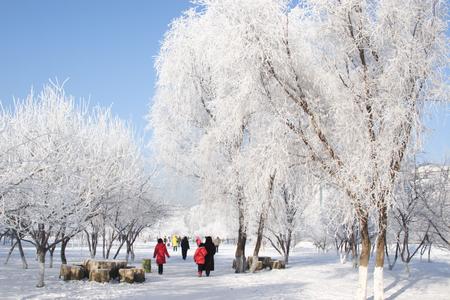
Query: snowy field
{"points": [[309, 276]]}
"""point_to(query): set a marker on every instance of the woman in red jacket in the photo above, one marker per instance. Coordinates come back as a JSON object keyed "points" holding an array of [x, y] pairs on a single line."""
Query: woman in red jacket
{"points": [[199, 258], [160, 254]]}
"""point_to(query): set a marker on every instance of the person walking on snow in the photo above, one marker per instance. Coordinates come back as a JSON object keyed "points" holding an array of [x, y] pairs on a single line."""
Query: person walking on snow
{"points": [[175, 243], [160, 254], [184, 247], [209, 259], [199, 258], [217, 243], [198, 241]]}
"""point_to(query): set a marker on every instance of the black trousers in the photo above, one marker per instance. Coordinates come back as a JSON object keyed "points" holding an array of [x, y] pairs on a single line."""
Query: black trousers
{"points": [[160, 269], [184, 253], [200, 268]]}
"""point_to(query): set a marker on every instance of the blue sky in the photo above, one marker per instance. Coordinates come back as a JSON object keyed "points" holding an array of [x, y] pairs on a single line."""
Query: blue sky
{"points": [[107, 49]]}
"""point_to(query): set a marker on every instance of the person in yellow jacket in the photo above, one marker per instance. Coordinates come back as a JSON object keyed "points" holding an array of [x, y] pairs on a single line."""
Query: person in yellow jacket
{"points": [[175, 243]]}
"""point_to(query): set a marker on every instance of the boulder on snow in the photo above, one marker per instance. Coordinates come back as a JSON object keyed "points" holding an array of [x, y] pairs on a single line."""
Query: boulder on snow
{"points": [[131, 275], [147, 265], [262, 263], [99, 275], [266, 262], [278, 264], [72, 272], [259, 266], [112, 265]]}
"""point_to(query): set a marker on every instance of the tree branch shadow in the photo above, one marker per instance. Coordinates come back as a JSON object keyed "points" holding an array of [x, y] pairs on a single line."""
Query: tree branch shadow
{"points": [[431, 272]]}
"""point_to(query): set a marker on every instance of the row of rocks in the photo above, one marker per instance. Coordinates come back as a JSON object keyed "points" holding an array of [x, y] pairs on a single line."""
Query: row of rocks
{"points": [[265, 262], [102, 271]]}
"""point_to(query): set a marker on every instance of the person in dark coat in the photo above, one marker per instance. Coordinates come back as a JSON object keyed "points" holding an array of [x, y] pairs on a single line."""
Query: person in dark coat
{"points": [[209, 259], [184, 247]]}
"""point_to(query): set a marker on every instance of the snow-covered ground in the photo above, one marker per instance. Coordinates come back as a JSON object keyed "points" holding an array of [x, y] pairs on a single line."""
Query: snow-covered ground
{"points": [[309, 276]]}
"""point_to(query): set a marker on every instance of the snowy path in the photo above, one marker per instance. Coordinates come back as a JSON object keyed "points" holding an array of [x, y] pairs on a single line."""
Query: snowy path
{"points": [[310, 276]]}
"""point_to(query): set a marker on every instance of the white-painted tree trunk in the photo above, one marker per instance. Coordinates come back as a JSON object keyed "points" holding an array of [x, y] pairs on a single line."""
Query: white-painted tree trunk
{"points": [[408, 272], [378, 287], [362, 283], [254, 264], [41, 258], [343, 257]]}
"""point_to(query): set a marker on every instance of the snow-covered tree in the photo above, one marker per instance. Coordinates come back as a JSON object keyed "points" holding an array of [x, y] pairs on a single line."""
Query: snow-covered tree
{"points": [[292, 196], [435, 197], [408, 215], [347, 78], [60, 164], [184, 118], [44, 195]]}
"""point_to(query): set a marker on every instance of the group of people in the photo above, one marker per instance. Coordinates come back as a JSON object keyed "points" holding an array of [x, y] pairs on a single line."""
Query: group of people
{"points": [[175, 239], [203, 256], [216, 242]]}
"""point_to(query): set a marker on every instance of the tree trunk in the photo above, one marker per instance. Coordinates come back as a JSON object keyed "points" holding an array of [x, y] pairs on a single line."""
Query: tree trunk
{"points": [[262, 222], [64, 243], [41, 259], [127, 257], [51, 250], [22, 254], [288, 247], [94, 241], [242, 239], [378, 280], [118, 250], [104, 242], [240, 251], [50, 265], [132, 254], [111, 240], [354, 249], [342, 256], [88, 242], [259, 234], [425, 247], [108, 249], [10, 252], [397, 248], [363, 258]]}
